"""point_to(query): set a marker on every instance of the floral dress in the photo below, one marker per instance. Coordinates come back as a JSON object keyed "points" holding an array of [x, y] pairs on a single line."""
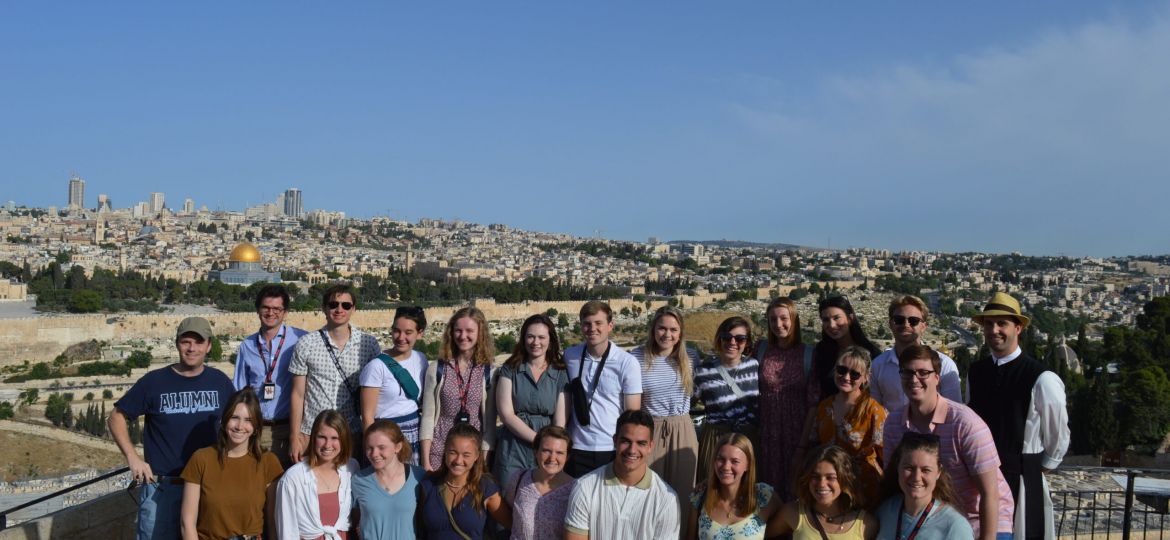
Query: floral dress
{"points": [[860, 435], [749, 528], [785, 398], [449, 407]]}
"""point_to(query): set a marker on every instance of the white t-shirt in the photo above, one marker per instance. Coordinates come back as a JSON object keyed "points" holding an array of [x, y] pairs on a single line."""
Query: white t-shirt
{"points": [[392, 400], [622, 375], [602, 507]]}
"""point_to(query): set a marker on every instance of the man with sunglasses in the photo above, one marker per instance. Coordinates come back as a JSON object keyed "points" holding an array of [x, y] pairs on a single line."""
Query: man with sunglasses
{"points": [[965, 444], [1023, 403], [908, 322], [262, 363], [325, 369]]}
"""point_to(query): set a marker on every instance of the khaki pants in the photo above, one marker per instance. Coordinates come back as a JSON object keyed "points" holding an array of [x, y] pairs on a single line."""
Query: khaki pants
{"points": [[275, 439]]}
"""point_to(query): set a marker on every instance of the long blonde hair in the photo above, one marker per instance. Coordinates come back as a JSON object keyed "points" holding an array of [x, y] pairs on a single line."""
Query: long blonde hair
{"points": [[745, 496], [679, 356]]}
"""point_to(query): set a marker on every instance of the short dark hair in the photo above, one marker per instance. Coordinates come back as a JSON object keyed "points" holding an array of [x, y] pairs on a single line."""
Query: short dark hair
{"points": [[637, 417], [411, 313], [332, 292], [272, 291]]}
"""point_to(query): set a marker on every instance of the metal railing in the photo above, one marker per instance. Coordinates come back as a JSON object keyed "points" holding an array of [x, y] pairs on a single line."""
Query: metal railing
{"points": [[1096, 513], [4, 514]]}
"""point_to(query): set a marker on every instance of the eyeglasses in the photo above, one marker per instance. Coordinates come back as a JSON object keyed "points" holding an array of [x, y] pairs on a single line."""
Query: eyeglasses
{"points": [[845, 372], [920, 373], [899, 320], [738, 338], [266, 309], [344, 305]]}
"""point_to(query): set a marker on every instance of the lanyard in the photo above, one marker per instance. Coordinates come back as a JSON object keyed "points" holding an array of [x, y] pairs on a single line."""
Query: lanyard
{"points": [[921, 520], [464, 388], [275, 355]]}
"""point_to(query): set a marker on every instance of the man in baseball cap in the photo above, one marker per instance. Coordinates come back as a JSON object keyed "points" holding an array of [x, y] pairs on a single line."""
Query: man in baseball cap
{"points": [[182, 403], [1023, 403]]}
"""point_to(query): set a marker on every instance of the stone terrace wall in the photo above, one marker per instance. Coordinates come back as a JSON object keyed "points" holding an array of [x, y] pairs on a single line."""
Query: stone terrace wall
{"points": [[40, 339]]}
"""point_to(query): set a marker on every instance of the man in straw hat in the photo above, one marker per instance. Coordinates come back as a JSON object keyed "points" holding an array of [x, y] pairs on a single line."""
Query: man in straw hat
{"points": [[1023, 403]]}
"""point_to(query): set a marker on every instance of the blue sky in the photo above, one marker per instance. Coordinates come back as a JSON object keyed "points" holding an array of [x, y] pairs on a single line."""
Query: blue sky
{"points": [[993, 126]]}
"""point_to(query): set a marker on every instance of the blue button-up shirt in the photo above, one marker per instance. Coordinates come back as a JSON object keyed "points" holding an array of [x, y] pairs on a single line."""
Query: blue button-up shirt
{"points": [[252, 365]]}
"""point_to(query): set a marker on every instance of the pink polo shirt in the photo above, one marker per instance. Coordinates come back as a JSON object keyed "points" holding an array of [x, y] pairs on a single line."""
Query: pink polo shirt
{"points": [[966, 449]]}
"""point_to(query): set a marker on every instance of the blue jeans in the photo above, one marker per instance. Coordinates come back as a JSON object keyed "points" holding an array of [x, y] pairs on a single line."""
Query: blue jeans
{"points": [[158, 513], [1004, 536]]}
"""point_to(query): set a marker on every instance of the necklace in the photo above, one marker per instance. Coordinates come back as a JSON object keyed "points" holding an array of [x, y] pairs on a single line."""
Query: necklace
{"points": [[837, 520], [453, 486]]}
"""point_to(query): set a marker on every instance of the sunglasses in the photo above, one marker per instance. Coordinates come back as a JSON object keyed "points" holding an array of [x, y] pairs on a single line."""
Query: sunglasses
{"points": [[344, 305], [850, 374], [920, 373], [900, 320], [738, 338]]}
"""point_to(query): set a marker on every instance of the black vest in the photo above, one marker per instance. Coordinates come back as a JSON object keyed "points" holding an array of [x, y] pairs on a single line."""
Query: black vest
{"points": [[1002, 395]]}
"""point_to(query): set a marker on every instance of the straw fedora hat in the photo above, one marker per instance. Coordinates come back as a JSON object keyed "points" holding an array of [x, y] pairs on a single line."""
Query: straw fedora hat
{"points": [[1003, 304]]}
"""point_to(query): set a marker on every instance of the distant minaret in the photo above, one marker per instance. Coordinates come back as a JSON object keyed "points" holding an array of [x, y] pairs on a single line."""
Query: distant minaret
{"points": [[99, 231], [409, 257]]}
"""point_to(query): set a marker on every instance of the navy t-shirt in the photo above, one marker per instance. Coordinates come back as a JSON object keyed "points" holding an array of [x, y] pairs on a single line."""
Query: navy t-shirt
{"points": [[182, 414], [434, 513]]}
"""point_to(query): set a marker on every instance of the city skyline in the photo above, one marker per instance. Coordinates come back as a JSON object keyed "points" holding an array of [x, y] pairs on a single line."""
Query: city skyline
{"points": [[994, 127]]}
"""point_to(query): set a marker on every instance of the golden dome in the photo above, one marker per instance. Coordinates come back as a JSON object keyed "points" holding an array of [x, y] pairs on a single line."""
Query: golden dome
{"points": [[245, 252]]}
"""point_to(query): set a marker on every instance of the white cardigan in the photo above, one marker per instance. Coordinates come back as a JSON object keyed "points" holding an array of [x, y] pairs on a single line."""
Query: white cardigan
{"points": [[298, 513]]}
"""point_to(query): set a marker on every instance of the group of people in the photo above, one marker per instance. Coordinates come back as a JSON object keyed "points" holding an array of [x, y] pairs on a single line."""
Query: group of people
{"points": [[325, 435]]}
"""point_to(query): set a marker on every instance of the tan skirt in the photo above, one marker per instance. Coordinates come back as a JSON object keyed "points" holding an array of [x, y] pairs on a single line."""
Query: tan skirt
{"points": [[710, 435], [676, 453]]}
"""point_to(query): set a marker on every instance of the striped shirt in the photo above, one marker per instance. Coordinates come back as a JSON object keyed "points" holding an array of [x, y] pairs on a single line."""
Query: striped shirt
{"points": [[720, 403], [967, 450], [662, 390]]}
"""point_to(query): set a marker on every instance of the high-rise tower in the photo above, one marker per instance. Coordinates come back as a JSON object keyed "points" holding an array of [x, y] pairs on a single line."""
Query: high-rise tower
{"points": [[157, 200], [293, 206], [76, 192]]}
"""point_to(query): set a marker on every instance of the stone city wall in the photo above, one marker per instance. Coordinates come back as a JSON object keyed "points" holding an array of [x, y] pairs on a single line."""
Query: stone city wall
{"points": [[41, 339]]}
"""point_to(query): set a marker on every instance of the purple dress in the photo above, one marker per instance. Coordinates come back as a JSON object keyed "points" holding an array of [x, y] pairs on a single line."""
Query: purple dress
{"points": [[536, 516], [785, 399]]}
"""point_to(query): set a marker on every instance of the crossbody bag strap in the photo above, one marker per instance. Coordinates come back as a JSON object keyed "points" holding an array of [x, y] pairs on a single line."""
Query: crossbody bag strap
{"points": [[337, 363], [735, 389], [596, 373]]}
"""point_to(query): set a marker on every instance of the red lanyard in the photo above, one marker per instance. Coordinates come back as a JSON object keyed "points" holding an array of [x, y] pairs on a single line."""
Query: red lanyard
{"points": [[464, 388], [275, 356], [921, 520]]}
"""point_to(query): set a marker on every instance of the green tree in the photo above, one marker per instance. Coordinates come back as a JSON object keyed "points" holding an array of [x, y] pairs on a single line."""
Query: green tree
{"points": [[6, 410], [216, 353], [505, 343], [138, 359], [1144, 406], [89, 396], [83, 301], [58, 411], [1093, 414], [107, 394], [28, 396]]}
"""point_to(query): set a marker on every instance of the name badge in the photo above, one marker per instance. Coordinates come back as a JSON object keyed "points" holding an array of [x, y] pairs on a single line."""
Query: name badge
{"points": [[269, 391], [462, 417]]}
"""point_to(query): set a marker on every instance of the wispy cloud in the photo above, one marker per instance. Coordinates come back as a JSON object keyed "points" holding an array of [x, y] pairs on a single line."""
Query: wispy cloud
{"points": [[1067, 128]]}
